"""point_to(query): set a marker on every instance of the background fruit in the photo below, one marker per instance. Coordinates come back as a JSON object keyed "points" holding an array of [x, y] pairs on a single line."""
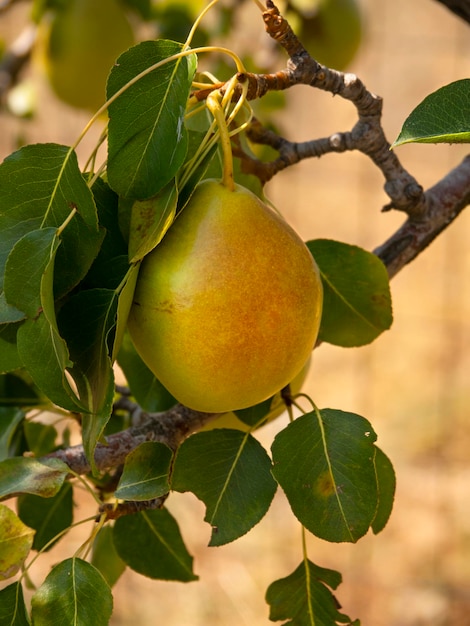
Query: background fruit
{"points": [[227, 308], [331, 30], [80, 46]]}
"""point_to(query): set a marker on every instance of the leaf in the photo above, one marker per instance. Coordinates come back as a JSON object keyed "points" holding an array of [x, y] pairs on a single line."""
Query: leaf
{"points": [[41, 186], [148, 391], [147, 140], [47, 516], [442, 117], [304, 597], [386, 482], [105, 558], [230, 472], [27, 475], [43, 351], [125, 299], [86, 322], [145, 473], [17, 392], [9, 357], [44, 354], [151, 544], [357, 303], [324, 461], [39, 437], [75, 593], [16, 540], [10, 418], [12, 606], [150, 219], [25, 267]]}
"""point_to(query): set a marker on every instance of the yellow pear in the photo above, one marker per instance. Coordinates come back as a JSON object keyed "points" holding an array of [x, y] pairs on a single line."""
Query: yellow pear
{"points": [[227, 307]]}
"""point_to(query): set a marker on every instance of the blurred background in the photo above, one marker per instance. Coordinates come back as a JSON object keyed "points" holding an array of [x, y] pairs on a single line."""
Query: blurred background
{"points": [[413, 383]]}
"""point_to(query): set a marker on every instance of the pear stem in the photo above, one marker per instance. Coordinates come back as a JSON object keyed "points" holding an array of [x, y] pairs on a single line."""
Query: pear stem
{"points": [[213, 104]]}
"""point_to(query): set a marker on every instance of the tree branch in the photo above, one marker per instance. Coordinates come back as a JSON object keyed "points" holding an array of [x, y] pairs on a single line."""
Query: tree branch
{"points": [[459, 7], [170, 427]]}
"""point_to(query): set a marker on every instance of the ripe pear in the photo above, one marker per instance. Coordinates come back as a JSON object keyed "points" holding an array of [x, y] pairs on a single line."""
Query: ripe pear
{"points": [[80, 46], [227, 307]]}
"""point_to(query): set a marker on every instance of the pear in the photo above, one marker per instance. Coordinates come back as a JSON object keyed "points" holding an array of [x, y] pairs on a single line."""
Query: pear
{"points": [[227, 307]]}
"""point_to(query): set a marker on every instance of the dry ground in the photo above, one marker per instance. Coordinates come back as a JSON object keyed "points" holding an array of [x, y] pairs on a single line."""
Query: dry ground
{"points": [[412, 384]]}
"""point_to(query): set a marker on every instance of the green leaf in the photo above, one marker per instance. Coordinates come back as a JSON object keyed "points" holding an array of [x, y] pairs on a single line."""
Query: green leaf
{"points": [[15, 391], [25, 267], [39, 437], [324, 461], [305, 598], [230, 472], [75, 593], [105, 557], [8, 314], [16, 540], [9, 357], [148, 391], [27, 475], [151, 544], [357, 303], [145, 473], [12, 606], [442, 117], [125, 299], [254, 414], [41, 186], [386, 482], [10, 418], [47, 516], [150, 219], [86, 322], [44, 354], [147, 140]]}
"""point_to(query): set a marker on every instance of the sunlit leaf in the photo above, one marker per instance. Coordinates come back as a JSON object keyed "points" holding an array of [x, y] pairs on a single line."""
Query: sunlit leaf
{"points": [[74, 593], [16, 540], [357, 303], [151, 544], [47, 516], [324, 461], [442, 117], [147, 140], [230, 472], [145, 473], [150, 219], [27, 475], [305, 598]]}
